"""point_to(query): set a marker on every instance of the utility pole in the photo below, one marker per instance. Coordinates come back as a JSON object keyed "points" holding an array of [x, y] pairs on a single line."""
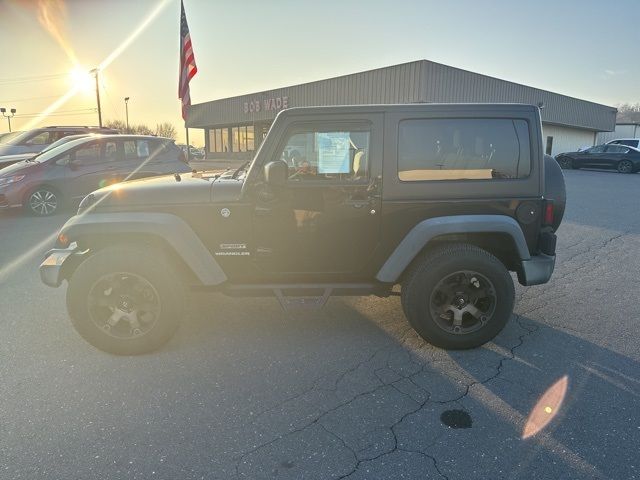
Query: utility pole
{"points": [[95, 72], [126, 108], [8, 116]]}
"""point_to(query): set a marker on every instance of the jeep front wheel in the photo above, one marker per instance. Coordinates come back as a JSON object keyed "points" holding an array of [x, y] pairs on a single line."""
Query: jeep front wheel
{"points": [[125, 300], [458, 297]]}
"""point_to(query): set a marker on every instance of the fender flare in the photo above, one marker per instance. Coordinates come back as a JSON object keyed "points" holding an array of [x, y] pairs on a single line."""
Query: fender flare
{"points": [[171, 228], [427, 230]]}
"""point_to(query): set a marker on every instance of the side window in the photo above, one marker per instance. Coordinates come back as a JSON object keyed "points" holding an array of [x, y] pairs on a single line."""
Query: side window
{"points": [[110, 151], [616, 149], [136, 149], [628, 143], [463, 149], [87, 154], [598, 149], [43, 138], [327, 155]]}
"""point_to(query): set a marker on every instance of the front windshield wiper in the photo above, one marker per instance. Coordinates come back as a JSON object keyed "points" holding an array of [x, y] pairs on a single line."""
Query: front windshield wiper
{"points": [[241, 168]]}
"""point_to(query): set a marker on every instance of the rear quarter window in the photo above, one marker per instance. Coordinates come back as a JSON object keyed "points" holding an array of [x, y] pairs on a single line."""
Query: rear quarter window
{"points": [[463, 149]]}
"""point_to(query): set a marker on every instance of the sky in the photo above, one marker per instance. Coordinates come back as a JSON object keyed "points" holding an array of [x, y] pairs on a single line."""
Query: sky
{"points": [[586, 49]]}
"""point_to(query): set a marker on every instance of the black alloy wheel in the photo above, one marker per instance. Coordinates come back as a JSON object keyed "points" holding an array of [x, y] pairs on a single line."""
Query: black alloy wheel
{"points": [[463, 302], [625, 166], [565, 163], [123, 305]]}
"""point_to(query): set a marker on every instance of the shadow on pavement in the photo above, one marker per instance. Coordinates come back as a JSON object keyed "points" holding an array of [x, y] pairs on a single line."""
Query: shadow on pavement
{"points": [[344, 393]]}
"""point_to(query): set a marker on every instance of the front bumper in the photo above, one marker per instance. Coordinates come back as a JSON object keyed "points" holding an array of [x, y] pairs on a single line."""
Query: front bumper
{"points": [[537, 270], [56, 263]]}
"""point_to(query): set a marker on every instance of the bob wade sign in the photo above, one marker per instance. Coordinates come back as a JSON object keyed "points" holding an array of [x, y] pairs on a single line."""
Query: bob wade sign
{"points": [[268, 104]]}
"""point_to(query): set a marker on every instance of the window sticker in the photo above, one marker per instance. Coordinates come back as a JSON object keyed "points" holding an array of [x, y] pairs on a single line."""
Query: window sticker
{"points": [[143, 149], [333, 152]]}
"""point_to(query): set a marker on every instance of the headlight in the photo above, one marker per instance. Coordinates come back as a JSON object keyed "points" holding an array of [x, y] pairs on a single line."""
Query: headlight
{"points": [[9, 180]]}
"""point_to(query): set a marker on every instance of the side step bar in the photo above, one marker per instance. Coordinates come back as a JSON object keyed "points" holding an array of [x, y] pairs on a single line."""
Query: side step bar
{"points": [[306, 296]]}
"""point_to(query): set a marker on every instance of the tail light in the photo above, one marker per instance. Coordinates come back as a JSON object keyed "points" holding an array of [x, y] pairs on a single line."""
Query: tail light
{"points": [[548, 217]]}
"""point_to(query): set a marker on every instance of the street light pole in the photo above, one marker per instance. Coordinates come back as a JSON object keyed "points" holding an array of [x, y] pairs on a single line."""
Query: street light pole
{"points": [[95, 72], [8, 117], [126, 108]]}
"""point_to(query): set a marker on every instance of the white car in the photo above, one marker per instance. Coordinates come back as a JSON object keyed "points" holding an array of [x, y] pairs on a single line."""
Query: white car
{"points": [[629, 142]]}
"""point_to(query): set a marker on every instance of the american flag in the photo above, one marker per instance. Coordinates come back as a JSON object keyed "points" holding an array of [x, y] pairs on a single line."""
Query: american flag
{"points": [[187, 63]]}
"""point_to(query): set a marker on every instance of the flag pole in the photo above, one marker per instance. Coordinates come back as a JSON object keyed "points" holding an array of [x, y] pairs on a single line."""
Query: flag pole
{"points": [[188, 149]]}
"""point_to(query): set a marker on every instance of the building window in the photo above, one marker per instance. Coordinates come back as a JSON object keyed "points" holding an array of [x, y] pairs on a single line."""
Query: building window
{"points": [[251, 146], [549, 145], [235, 138], [242, 139]]}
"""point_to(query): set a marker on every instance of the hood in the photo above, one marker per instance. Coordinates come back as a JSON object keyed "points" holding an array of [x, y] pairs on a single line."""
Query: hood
{"points": [[11, 159], [165, 190], [16, 168]]}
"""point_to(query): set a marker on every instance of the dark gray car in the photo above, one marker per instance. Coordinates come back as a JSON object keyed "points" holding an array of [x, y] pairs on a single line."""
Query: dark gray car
{"points": [[67, 173]]}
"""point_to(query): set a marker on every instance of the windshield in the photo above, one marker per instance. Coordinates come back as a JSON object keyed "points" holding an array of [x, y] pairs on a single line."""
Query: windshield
{"points": [[52, 151], [62, 141], [8, 138]]}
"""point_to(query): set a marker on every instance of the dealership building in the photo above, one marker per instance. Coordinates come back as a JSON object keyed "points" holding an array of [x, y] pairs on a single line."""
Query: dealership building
{"points": [[234, 127]]}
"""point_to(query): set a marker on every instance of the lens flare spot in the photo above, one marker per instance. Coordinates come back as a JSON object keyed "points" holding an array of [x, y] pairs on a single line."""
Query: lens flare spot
{"points": [[81, 79], [546, 408]]}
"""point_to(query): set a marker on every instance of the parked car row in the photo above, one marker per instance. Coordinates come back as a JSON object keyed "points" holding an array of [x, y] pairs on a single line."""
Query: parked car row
{"points": [[621, 154], [76, 165], [37, 139]]}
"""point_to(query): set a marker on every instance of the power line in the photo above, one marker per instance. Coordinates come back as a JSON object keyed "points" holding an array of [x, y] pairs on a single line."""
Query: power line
{"points": [[79, 111], [18, 100], [37, 78]]}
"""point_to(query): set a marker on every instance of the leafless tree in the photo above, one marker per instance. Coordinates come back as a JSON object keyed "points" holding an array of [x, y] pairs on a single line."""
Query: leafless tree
{"points": [[167, 130], [628, 112]]}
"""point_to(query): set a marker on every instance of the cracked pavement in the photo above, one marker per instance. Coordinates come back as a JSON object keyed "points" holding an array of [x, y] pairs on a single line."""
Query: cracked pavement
{"points": [[246, 391]]}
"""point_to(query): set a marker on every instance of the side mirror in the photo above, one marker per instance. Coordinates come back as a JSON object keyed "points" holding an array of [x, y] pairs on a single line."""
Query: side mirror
{"points": [[275, 173]]}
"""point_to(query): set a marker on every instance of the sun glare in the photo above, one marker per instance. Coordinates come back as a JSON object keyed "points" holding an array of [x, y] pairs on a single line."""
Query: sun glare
{"points": [[81, 79]]}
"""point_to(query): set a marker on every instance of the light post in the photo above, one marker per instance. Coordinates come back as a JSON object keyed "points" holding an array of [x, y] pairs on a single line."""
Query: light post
{"points": [[8, 116], [126, 109], [95, 72]]}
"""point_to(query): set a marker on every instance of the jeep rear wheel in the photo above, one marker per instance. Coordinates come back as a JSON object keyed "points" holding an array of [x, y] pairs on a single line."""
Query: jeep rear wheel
{"points": [[125, 300], [458, 297]]}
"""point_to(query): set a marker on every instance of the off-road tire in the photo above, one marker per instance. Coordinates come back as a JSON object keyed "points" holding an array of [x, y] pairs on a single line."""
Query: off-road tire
{"points": [[147, 263], [429, 270]]}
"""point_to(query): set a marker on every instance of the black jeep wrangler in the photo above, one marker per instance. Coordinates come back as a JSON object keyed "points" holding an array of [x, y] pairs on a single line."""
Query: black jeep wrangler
{"points": [[442, 200]]}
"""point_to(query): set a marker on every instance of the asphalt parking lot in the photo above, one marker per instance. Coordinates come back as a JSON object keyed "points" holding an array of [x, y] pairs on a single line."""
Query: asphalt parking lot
{"points": [[247, 391]]}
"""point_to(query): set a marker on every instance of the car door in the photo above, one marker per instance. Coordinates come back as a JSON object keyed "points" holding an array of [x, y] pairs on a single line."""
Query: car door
{"points": [[590, 157], [613, 154], [91, 166], [325, 219], [138, 158]]}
